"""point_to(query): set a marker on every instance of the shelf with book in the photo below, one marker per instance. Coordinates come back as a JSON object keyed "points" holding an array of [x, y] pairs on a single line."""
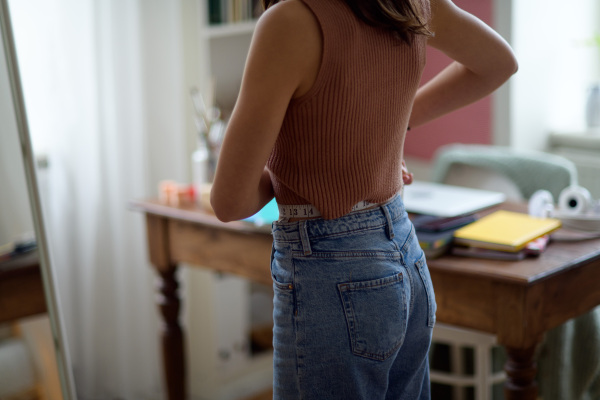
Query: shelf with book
{"points": [[226, 33], [232, 11]]}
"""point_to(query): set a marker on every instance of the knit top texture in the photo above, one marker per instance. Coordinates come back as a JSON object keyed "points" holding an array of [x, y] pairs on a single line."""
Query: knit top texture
{"points": [[342, 142]]}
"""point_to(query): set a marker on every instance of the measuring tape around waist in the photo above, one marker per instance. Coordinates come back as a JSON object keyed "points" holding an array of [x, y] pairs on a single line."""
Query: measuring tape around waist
{"points": [[310, 211]]}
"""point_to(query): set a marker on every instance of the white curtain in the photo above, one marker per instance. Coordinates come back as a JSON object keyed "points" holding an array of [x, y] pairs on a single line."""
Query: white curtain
{"points": [[105, 95]]}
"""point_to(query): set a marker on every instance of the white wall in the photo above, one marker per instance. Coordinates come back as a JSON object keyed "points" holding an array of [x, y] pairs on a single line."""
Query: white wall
{"points": [[501, 116], [555, 68], [15, 214]]}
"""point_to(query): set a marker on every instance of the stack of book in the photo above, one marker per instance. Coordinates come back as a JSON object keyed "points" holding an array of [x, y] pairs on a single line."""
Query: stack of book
{"points": [[435, 234], [230, 11], [504, 235]]}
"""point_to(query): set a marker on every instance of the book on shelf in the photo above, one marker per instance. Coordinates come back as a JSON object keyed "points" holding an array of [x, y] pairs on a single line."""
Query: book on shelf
{"points": [[231, 11], [505, 231]]}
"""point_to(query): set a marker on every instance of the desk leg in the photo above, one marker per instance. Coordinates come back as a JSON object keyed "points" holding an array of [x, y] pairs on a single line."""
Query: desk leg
{"points": [[520, 370], [172, 336]]}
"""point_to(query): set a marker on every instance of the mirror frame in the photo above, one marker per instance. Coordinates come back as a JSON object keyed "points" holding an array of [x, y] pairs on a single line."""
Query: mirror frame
{"points": [[50, 288]]}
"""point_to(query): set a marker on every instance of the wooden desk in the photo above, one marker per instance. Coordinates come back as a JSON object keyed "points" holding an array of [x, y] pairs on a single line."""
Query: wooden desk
{"points": [[517, 301], [21, 288]]}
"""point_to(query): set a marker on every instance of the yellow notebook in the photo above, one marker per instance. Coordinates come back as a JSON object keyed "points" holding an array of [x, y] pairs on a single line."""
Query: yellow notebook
{"points": [[505, 230]]}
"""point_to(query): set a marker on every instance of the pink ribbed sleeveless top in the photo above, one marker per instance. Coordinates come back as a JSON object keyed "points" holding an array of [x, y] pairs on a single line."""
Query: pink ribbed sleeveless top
{"points": [[342, 142]]}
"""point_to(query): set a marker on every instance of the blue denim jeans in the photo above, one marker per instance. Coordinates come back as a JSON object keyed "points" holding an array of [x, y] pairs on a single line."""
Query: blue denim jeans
{"points": [[354, 307]]}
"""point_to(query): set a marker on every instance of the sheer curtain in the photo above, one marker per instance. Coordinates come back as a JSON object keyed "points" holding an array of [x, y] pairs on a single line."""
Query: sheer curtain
{"points": [[105, 92]]}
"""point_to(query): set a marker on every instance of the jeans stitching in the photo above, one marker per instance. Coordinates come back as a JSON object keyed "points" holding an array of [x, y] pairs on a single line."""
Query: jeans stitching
{"points": [[349, 232], [412, 291], [409, 238], [349, 254], [420, 264], [344, 290]]}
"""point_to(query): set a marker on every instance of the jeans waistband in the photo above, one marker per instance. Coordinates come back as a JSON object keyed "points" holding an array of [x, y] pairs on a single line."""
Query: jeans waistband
{"points": [[369, 218]]}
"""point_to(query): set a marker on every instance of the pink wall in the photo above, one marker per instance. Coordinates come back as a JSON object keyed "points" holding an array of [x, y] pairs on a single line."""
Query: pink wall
{"points": [[472, 124]]}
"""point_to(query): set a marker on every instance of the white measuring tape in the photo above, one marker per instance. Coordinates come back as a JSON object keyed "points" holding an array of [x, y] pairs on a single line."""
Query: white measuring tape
{"points": [[310, 211]]}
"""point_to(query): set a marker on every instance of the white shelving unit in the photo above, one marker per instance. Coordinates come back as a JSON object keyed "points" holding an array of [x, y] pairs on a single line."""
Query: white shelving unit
{"points": [[217, 308], [227, 48], [230, 30]]}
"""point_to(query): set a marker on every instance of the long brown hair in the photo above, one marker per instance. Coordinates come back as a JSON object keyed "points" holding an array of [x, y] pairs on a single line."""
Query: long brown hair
{"points": [[405, 18]]}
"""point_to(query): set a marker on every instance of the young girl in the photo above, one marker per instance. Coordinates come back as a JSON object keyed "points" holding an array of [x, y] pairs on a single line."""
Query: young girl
{"points": [[329, 90]]}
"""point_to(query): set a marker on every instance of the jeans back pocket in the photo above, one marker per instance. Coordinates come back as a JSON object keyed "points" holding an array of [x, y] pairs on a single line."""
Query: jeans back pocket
{"points": [[376, 315]]}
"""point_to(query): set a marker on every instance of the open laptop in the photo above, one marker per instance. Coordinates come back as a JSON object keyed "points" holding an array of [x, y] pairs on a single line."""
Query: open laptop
{"points": [[446, 200]]}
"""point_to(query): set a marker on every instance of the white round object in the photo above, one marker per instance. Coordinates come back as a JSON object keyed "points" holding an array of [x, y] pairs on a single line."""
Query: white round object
{"points": [[541, 204], [574, 200]]}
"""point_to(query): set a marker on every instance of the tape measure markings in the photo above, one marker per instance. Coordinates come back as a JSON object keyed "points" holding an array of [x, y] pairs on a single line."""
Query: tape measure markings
{"points": [[308, 210]]}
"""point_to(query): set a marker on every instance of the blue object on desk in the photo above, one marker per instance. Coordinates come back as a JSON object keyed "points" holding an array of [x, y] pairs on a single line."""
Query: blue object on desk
{"points": [[266, 216]]}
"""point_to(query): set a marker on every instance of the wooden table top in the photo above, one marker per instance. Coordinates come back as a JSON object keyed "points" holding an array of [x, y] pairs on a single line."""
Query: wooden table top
{"points": [[20, 264], [21, 287], [194, 213], [560, 256]]}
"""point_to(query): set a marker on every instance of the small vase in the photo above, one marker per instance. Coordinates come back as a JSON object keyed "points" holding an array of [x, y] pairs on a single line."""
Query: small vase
{"points": [[592, 107], [200, 166]]}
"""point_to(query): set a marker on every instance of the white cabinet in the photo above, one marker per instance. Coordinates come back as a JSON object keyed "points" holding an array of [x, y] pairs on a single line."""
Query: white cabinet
{"points": [[218, 321]]}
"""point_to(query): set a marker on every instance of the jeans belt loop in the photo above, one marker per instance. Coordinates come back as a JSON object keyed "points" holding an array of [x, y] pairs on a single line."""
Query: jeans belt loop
{"points": [[304, 237], [390, 224]]}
